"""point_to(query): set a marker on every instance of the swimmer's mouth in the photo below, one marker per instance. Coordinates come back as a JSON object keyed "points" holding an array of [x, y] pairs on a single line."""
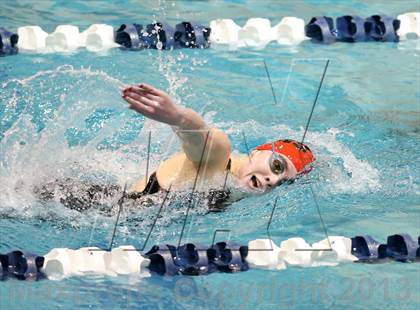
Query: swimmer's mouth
{"points": [[255, 182]]}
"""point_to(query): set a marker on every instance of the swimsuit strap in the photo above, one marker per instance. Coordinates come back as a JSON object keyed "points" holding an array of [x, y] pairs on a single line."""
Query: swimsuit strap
{"points": [[153, 185], [229, 164]]}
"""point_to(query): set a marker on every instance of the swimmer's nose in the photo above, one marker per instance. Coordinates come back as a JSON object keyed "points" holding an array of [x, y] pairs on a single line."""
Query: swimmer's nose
{"points": [[267, 182]]}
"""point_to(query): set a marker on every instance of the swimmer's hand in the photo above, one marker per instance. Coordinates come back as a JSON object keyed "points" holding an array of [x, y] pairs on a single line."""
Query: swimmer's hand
{"points": [[153, 103], [188, 125]]}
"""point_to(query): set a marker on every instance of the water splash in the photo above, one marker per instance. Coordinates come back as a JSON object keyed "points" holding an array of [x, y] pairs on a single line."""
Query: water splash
{"points": [[67, 123], [43, 118]]}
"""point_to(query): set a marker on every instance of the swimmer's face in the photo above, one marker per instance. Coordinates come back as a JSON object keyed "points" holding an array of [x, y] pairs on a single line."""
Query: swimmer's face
{"points": [[260, 174]]}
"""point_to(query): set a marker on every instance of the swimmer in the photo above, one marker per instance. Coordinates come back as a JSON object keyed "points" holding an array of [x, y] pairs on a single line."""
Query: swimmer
{"points": [[205, 149], [268, 166]]}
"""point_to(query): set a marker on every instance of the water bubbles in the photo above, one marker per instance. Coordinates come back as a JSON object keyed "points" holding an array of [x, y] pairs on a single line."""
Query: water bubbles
{"points": [[33, 147]]}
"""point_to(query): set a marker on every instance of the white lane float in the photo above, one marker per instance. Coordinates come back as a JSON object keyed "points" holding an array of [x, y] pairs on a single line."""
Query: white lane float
{"points": [[65, 38], [58, 263], [296, 252], [289, 31], [89, 260], [224, 32], [263, 253], [62, 262], [98, 37], [410, 24], [126, 260], [256, 32], [31, 38], [337, 250]]}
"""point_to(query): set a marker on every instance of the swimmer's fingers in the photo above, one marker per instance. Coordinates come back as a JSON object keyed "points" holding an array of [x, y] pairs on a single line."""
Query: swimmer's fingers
{"points": [[151, 89], [143, 93], [153, 103], [138, 107], [142, 99]]}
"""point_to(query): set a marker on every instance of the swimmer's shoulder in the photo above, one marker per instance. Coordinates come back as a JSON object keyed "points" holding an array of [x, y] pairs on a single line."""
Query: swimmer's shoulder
{"points": [[173, 170], [178, 170]]}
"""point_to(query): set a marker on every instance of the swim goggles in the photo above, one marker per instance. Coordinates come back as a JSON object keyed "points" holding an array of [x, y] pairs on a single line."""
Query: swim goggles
{"points": [[278, 164]]}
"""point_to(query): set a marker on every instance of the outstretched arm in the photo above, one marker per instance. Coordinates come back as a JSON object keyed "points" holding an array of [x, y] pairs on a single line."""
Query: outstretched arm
{"points": [[188, 125]]}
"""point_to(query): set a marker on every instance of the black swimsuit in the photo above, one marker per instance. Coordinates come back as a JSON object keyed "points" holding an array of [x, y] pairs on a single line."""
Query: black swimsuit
{"points": [[217, 199], [152, 187], [84, 195]]}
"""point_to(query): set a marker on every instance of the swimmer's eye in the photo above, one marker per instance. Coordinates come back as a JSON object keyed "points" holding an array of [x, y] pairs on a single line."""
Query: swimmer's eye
{"points": [[277, 164]]}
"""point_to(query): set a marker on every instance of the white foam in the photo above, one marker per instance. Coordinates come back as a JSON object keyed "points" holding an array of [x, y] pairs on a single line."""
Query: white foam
{"points": [[26, 152], [360, 176]]}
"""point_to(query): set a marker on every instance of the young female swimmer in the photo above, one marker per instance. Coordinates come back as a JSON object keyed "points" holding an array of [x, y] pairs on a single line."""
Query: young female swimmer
{"points": [[269, 165]]}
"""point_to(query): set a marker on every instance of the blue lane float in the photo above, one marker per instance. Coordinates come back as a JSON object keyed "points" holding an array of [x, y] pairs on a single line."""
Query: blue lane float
{"points": [[418, 250], [151, 36], [366, 249], [22, 265], [187, 259], [162, 260], [350, 29], [8, 42], [158, 36], [382, 28], [228, 257], [192, 35], [163, 36], [128, 36], [321, 29], [3, 267], [400, 247], [190, 259]]}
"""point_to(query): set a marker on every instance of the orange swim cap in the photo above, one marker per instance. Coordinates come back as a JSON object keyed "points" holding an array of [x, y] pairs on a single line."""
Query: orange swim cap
{"points": [[298, 153]]}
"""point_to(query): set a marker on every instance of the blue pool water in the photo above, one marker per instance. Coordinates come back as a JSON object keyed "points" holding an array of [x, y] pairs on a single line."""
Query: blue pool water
{"points": [[62, 115]]}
